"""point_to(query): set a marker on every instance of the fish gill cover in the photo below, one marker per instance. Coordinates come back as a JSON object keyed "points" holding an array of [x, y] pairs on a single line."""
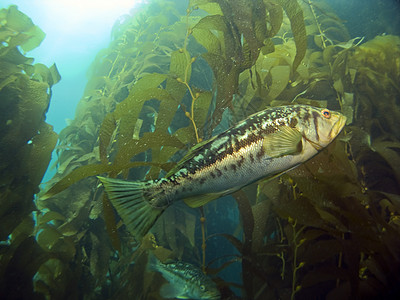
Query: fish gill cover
{"points": [[172, 77]]}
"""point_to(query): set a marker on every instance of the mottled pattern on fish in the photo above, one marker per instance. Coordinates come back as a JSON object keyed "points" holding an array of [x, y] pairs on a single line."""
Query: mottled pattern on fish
{"points": [[182, 271], [236, 157], [264, 145], [186, 281]]}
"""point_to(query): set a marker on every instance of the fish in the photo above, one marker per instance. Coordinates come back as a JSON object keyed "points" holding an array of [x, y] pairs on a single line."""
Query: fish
{"points": [[263, 146], [185, 281]]}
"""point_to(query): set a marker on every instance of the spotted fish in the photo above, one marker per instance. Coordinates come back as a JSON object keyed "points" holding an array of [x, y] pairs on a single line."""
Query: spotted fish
{"points": [[265, 145], [185, 281]]}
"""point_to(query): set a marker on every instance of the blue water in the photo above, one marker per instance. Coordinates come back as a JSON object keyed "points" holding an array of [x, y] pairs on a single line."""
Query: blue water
{"points": [[75, 32]]}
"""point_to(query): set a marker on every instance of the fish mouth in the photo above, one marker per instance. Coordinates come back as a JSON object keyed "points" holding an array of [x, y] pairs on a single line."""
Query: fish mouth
{"points": [[213, 295], [338, 126]]}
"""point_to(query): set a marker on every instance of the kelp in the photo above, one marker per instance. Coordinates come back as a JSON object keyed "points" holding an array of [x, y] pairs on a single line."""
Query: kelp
{"points": [[173, 76], [26, 144], [234, 44]]}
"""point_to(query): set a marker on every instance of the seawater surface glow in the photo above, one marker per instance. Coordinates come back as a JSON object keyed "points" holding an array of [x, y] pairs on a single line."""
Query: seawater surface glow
{"points": [[75, 32]]}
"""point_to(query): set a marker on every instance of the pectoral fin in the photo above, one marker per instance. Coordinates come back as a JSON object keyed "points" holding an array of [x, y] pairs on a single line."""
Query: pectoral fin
{"points": [[286, 141]]}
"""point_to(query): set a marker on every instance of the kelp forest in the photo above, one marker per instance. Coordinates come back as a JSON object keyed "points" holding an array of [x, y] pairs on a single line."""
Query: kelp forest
{"points": [[175, 74]]}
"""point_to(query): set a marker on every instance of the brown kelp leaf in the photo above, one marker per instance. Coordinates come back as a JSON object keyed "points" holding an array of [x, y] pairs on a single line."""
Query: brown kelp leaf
{"points": [[29, 35], [295, 15], [246, 213], [21, 268], [260, 212], [48, 236], [145, 89], [86, 171], [41, 148], [300, 210], [390, 151], [210, 7], [323, 274], [33, 104], [74, 176], [7, 80], [233, 240], [99, 258], [50, 216], [55, 75], [169, 230], [201, 108], [163, 254], [275, 17], [105, 133], [181, 66], [190, 226], [133, 105], [215, 271], [23, 230], [36, 36], [17, 20], [322, 250], [185, 135], [149, 140], [254, 32], [203, 33], [331, 219], [181, 70], [126, 128], [227, 75], [280, 78], [111, 226]]}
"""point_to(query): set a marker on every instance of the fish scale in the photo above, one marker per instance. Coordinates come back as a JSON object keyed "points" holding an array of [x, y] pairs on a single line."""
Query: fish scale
{"points": [[264, 145], [237, 152], [186, 281]]}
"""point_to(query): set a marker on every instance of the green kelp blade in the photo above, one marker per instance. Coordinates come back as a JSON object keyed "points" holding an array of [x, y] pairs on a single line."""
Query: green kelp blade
{"points": [[296, 18], [111, 225], [22, 267], [92, 170], [36, 36], [55, 74], [106, 132]]}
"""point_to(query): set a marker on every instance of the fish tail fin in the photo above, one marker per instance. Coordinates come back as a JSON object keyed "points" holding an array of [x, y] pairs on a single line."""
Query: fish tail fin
{"points": [[135, 209]]}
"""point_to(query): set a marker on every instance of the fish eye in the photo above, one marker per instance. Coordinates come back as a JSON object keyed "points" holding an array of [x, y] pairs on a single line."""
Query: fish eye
{"points": [[202, 287], [326, 113]]}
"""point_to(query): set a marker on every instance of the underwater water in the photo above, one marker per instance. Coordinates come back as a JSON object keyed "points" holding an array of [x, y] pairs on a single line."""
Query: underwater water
{"points": [[142, 84]]}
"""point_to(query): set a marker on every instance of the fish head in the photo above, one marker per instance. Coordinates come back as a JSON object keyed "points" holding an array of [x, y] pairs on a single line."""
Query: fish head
{"points": [[319, 126], [205, 288], [186, 281]]}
